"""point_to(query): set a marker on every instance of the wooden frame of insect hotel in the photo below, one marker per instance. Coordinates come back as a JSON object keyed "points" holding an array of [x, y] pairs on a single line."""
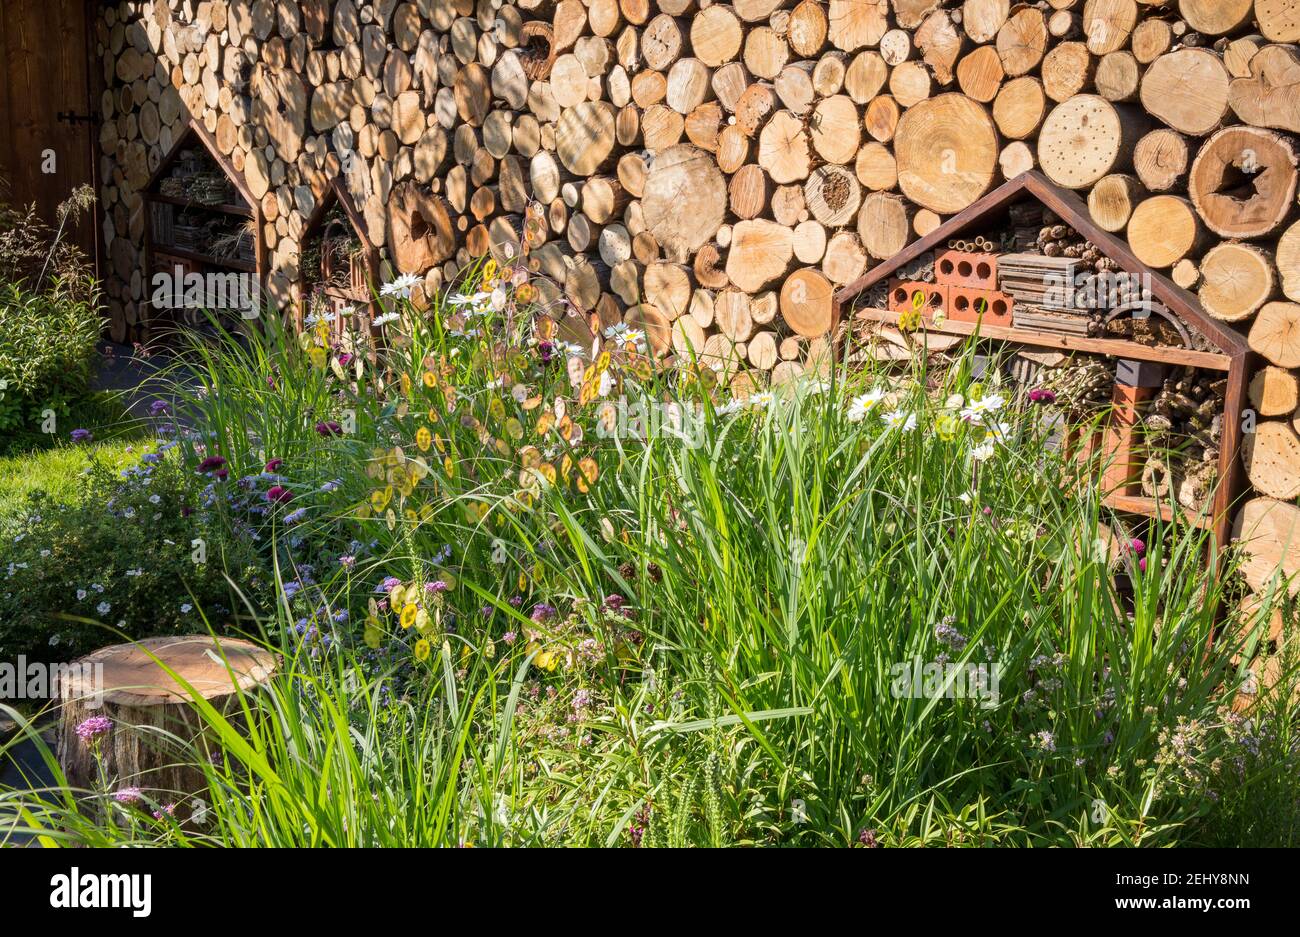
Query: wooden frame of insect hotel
{"points": [[1026, 266]]}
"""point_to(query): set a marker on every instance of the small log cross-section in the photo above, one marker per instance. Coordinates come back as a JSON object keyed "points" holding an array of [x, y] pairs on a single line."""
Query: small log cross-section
{"points": [[145, 703]]}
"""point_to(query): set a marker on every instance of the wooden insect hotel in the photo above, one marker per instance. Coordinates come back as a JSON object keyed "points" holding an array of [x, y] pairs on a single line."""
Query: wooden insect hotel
{"points": [[1028, 267], [339, 267]]}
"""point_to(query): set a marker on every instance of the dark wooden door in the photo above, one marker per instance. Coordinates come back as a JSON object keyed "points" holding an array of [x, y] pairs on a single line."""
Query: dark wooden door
{"points": [[45, 87]]}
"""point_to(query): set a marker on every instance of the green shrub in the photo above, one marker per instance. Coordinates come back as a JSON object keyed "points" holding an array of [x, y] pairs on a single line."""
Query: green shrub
{"points": [[47, 348], [121, 557], [49, 318]]}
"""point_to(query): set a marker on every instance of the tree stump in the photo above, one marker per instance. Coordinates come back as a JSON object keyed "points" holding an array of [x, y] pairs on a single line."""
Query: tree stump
{"points": [[152, 719]]}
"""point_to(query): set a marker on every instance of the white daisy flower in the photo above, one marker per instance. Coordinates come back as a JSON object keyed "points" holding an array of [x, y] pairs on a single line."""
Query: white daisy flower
{"points": [[983, 451], [900, 419], [863, 404], [387, 317], [401, 287], [762, 399]]}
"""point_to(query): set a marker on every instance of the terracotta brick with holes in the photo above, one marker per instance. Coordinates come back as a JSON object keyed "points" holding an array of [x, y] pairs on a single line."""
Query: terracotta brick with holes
{"points": [[902, 291], [959, 268], [964, 305]]}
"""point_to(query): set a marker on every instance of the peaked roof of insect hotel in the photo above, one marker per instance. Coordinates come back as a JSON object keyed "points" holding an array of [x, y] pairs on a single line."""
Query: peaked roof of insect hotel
{"points": [[1073, 212]]}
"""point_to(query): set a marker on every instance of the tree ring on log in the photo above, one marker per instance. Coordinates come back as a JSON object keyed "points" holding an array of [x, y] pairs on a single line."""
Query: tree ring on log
{"points": [[1243, 182]]}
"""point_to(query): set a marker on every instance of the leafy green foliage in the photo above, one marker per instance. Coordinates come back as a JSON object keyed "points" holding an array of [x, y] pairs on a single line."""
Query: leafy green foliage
{"points": [[118, 559]]}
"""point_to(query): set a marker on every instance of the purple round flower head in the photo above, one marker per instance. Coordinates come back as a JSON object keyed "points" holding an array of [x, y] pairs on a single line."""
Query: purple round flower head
{"points": [[389, 584], [329, 428], [347, 562], [273, 466], [92, 727], [868, 838], [436, 586], [278, 494], [516, 600], [166, 811], [81, 435], [542, 612], [547, 351], [487, 611], [1042, 395], [221, 474], [1138, 546], [1142, 564], [212, 462], [127, 795], [345, 359], [270, 382], [614, 601], [510, 637], [159, 408]]}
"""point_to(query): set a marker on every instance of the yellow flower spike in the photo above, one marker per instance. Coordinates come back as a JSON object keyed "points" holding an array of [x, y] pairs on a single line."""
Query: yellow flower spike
{"points": [[379, 499], [566, 467], [589, 375], [544, 661], [514, 429], [434, 416], [408, 616], [423, 649]]}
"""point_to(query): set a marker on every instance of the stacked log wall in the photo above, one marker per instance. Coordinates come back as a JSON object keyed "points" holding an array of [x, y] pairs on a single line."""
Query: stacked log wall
{"points": [[711, 172]]}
